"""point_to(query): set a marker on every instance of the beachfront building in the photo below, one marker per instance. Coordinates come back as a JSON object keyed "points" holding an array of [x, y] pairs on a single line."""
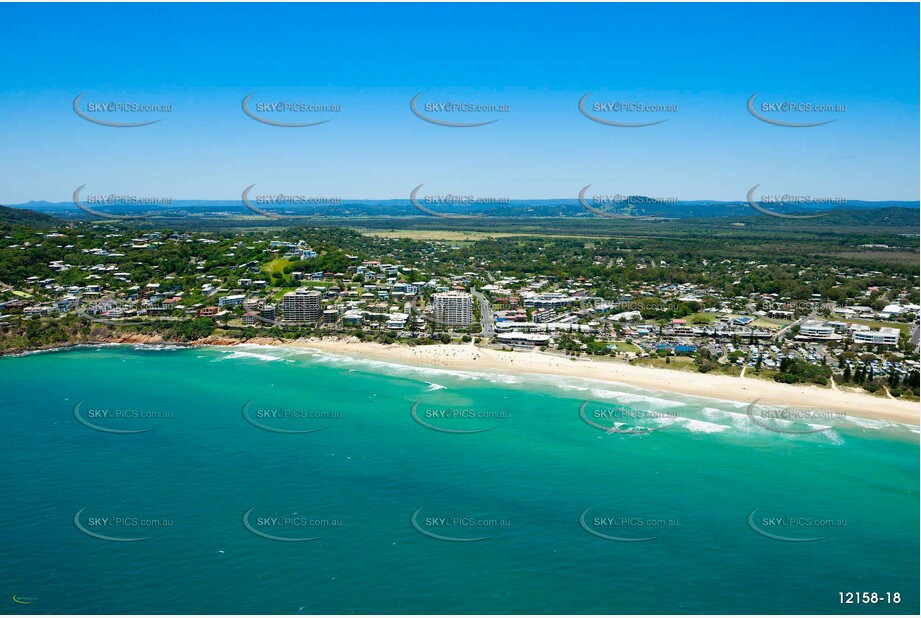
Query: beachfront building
{"points": [[397, 321], [453, 308], [301, 306], [519, 338], [816, 330], [353, 317], [330, 316], [883, 336], [567, 327]]}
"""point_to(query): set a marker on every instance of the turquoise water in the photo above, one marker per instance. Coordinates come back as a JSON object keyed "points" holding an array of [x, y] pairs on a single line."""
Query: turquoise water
{"points": [[207, 452]]}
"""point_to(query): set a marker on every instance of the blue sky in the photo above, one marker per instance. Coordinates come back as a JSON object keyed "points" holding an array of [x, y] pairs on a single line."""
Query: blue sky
{"points": [[538, 59]]}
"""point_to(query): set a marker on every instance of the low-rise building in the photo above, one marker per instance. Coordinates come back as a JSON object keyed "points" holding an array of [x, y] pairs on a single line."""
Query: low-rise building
{"points": [[816, 330], [883, 336], [519, 338], [231, 300]]}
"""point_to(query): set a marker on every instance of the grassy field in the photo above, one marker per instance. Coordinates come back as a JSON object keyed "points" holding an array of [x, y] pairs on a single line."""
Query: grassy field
{"points": [[469, 236], [764, 374], [686, 363], [276, 266], [301, 284], [902, 326], [445, 235], [678, 363], [623, 346], [888, 257], [771, 323], [700, 318]]}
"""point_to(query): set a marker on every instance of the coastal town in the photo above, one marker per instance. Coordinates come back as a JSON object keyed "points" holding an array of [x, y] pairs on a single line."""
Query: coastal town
{"points": [[495, 309], [291, 284]]}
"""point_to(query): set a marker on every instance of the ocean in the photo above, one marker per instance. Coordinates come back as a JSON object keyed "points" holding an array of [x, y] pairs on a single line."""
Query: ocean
{"points": [[280, 480]]}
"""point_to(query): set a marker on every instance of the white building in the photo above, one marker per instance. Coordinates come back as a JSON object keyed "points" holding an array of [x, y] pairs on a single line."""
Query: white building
{"points": [[547, 300], [896, 309], [231, 300], [627, 316], [509, 326], [517, 338], [453, 308], [883, 336], [397, 321], [816, 330], [301, 306]]}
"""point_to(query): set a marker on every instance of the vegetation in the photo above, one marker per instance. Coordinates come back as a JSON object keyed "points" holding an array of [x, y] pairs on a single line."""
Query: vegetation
{"points": [[794, 370], [627, 265]]}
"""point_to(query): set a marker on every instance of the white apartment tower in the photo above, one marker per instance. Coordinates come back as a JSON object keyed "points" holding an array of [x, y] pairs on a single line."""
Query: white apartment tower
{"points": [[301, 306], [453, 308]]}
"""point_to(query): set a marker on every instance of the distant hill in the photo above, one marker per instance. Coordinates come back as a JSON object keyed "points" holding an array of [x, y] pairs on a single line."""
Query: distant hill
{"points": [[890, 216], [23, 216], [633, 206]]}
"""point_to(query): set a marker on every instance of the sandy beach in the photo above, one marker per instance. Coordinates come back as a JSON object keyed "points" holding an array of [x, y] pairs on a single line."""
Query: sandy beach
{"points": [[744, 390]]}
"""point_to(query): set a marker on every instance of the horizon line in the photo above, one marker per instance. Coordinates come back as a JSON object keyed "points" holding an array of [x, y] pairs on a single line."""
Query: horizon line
{"points": [[574, 199]]}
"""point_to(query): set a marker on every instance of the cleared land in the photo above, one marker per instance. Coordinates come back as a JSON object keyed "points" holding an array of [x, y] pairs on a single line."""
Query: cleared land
{"points": [[446, 235]]}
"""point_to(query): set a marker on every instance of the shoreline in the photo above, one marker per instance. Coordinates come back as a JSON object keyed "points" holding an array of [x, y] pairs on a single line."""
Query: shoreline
{"points": [[727, 388], [468, 357]]}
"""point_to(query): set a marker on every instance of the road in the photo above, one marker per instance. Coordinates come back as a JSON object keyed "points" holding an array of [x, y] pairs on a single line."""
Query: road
{"points": [[486, 314], [779, 335]]}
